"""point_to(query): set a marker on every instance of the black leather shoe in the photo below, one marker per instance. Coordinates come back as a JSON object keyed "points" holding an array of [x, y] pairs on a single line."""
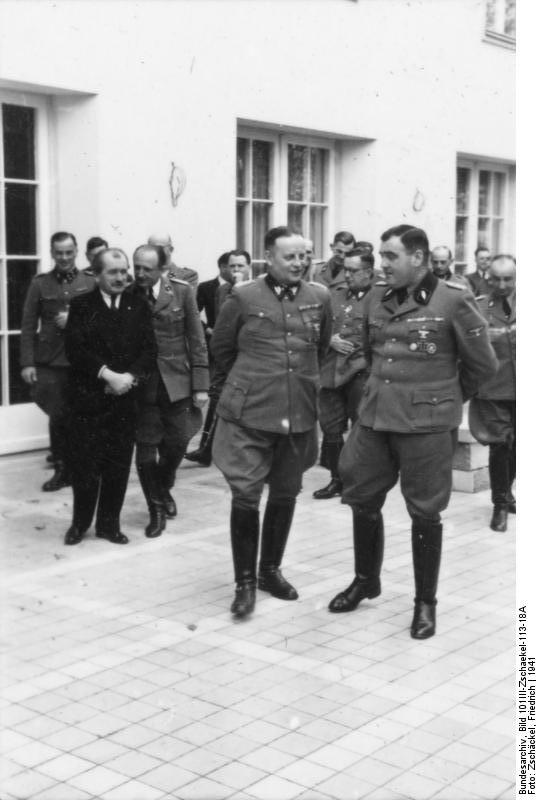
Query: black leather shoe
{"points": [[499, 520], [58, 481], [157, 522], [170, 508], [423, 624], [276, 584], [333, 489], [511, 503], [202, 457], [114, 538], [359, 589], [245, 600], [74, 535]]}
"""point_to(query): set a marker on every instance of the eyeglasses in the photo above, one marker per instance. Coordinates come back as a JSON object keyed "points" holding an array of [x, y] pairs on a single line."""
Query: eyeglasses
{"points": [[440, 262], [356, 269]]}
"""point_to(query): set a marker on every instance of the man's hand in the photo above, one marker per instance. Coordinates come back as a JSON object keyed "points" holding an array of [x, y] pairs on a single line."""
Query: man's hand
{"points": [[341, 345], [29, 375], [118, 382], [61, 319], [200, 399]]}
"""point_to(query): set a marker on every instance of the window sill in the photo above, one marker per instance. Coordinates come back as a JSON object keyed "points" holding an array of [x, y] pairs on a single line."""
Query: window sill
{"points": [[500, 39]]}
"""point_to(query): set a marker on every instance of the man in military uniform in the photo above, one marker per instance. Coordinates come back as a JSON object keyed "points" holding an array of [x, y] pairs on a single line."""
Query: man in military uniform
{"points": [[170, 400], [94, 245], [331, 272], [234, 268], [479, 278], [43, 359], [441, 259], [492, 413], [429, 349], [183, 273], [268, 339], [343, 370]]}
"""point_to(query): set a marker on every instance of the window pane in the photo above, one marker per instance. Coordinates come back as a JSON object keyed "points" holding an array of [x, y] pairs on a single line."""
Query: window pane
{"points": [[19, 275], [18, 130], [462, 190], [490, 15], [297, 163], [318, 175], [498, 193], [483, 239], [484, 183], [296, 218], [261, 169], [19, 392], [20, 219], [510, 18], [496, 235], [261, 214], [461, 239], [242, 155], [241, 225], [317, 229]]}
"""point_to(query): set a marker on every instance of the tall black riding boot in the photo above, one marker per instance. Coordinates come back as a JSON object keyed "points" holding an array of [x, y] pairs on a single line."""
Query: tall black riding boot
{"points": [[150, 481], [511, 479], [426, 540], [245, 533], [368, 544], [59, 479], [168, 464], [202, 455], [275, 530], [334, 487], [499, 478]]}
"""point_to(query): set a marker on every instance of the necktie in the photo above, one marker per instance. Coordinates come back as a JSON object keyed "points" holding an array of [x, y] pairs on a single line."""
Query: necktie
{"points": [[151, 297], [114, 302], [401, 295], [506, 307]]}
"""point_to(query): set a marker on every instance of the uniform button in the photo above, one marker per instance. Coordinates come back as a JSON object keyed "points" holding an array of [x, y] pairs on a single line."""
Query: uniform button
{"points": [[290, 370], [290, 352], [390, 360], [387, 380], [288, 316], [288, 333], [434, 399], [393, 340]]}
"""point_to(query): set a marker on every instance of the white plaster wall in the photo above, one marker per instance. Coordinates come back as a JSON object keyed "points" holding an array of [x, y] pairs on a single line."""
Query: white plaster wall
{"points": [[167, 80]]}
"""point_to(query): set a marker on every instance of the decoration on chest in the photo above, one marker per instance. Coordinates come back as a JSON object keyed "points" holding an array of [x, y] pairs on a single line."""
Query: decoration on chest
{"points": [[423, 345]]}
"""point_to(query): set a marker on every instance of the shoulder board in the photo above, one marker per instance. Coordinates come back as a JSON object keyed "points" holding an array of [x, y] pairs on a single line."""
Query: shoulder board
{"points": [[243, 283], [381, 283], [320, 285], [454, 285], [173, 279], [43, 274], [481, 297]]}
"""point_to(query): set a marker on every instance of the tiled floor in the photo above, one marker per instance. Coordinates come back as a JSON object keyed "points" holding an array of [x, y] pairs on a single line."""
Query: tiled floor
{"points": [[125, 678]]}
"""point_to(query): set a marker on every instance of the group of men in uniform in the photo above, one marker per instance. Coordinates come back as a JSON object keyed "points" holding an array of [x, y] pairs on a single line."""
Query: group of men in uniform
{"points": [[397, 358]]}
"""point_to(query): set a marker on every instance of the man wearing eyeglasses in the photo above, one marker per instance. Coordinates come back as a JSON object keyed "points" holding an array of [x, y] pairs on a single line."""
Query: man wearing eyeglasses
{"points": [[343, 370], [479, 279], [441, 260]]}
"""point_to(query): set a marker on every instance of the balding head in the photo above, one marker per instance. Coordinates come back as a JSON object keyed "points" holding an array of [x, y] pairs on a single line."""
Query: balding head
{"points": [[502, 275], [441, 259], [161, 239]]}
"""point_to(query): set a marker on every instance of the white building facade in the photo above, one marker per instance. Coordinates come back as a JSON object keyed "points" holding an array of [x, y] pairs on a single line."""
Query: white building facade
{"points": [[216, 119]]}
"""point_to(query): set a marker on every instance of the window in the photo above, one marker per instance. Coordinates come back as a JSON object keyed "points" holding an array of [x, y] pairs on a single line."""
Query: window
{"points": [[501, 21], [282, 179], [19, 259], [484, 211]]}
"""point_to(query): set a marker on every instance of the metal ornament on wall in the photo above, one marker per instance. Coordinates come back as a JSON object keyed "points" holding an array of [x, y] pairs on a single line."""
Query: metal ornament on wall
{"points": [[419, 201], [177, 182]]}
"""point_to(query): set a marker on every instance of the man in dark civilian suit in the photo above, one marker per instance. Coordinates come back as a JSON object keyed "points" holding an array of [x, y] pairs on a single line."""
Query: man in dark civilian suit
{"points": [[479, 279], [111, 347]]}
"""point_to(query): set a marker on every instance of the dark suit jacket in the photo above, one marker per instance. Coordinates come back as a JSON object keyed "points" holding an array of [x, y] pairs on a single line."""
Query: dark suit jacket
{"points": [[97, 336], [206, 298]]}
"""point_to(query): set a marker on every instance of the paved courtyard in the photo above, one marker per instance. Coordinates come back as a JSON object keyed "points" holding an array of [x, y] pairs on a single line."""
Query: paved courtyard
{"points": [[125, 678]]}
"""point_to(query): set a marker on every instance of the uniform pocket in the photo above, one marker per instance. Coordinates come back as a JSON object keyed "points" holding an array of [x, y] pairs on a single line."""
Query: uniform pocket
{"points": [[312, 322], [233, 396], [433, 409]]}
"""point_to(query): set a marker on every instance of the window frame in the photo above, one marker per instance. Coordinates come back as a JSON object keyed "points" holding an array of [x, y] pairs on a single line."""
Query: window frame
{"points": [[495, 35], [279, 214]]}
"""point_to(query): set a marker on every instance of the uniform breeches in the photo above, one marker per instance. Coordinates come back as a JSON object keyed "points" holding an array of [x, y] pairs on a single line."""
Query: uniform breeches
{"points": [[249, 458], [371, 462], [165, 426], [493, 421], [50, 394], [337, 406], [101, 449]]}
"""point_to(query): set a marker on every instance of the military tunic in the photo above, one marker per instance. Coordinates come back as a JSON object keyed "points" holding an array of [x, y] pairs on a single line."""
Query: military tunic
{"points": [[167, 415], [343, 376], [427, 355], [43, 345], [323, 273], [270, 350]]}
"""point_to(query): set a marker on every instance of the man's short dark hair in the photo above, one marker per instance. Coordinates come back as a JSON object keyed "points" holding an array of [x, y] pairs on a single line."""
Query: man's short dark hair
{"points": [[277, 233], [222, 260], [60, 236], [98, 261], [481, 248], [244, 253], [345, 237], [366, 258], [365, 246], [95, 241], [412, 239], [158, 249]]}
